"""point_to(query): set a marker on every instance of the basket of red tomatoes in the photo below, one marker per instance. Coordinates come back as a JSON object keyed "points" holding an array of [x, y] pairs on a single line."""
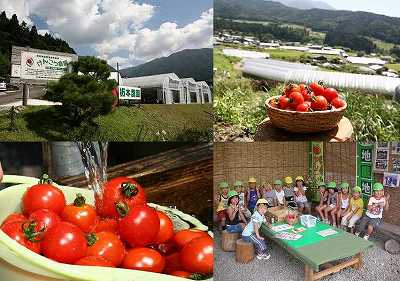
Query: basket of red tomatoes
{"points": [[306, 108], [61, 232]]}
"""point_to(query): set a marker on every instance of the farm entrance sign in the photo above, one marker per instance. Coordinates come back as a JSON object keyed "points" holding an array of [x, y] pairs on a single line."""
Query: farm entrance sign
{"points": [[39, 66], [129, 93]]}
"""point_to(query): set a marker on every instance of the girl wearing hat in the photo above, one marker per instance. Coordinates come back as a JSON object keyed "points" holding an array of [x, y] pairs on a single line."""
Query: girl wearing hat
{"points": [[373, 216], [323, 198], [222, 201], [251, 232], [344, 199], [332, 203], [252, 194], [354, 211], [235, 220]]}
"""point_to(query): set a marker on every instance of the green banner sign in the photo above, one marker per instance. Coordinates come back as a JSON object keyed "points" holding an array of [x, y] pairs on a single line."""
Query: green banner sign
{"points": [[316, 170], [365, 175]]}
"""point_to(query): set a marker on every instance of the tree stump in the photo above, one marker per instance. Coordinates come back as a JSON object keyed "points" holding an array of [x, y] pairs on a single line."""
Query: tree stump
{"points": [[228, 241], [392, 246], [244, 251]]}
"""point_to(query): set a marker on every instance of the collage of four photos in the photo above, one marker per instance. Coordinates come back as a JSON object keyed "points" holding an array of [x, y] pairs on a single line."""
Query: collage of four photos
{"points": [[203, 140]]}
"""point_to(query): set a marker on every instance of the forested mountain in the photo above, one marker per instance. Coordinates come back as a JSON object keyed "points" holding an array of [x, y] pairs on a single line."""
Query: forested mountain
{"points": [[338, 24], [195, 63], [12, 32], [306, 4]]}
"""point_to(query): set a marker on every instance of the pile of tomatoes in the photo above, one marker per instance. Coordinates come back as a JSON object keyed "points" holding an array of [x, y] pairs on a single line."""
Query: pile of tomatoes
{"points": [[303, 98], [120, 231]]}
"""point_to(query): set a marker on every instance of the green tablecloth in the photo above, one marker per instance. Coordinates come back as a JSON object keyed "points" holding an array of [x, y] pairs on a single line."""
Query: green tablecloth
{"points": [[315, 250]]}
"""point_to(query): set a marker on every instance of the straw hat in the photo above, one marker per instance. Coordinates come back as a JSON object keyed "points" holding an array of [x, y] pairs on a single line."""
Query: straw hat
{"points": [[261, 201], [288, 180], [252, 180]]}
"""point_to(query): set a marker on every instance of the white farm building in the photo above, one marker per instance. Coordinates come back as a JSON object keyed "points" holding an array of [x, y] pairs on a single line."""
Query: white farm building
{"points": [[205, 92], [191, 91], [162, 88]]}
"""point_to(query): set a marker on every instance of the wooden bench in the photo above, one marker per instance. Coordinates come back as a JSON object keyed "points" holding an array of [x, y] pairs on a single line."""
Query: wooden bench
{"points": [[228, 241], [244, 251]]}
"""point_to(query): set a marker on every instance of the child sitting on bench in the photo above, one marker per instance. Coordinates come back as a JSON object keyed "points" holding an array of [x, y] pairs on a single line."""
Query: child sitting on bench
{"points": [[354, 211]]}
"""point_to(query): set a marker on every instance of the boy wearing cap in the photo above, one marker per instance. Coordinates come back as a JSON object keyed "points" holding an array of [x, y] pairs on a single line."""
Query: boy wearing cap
{"points": [[239, 189], [344, 200], [222, 201], [251, 232], [289, 192], [354, 211], [252, 194], [373, 215], [279, 193], [323, 198], [235, 220], [332, 203]]}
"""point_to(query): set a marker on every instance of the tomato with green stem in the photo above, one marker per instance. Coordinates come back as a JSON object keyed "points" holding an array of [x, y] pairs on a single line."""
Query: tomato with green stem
{"points": [[25, 233], [296, 98], [106, 245], [45, 219], [319, 103], [317, 88], [284, 102], [79, 213]]}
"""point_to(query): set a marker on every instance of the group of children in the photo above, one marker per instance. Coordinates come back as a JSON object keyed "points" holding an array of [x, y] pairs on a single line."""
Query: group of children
{"points": [[243, 210]]}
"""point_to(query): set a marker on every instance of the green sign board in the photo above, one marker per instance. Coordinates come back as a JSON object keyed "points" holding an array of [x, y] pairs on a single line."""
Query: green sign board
{"points": [[129, 93], [365, 175]]}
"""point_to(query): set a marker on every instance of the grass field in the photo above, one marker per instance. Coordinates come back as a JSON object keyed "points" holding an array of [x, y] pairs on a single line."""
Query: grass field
{"points": [[394, 66], [189, 122]]}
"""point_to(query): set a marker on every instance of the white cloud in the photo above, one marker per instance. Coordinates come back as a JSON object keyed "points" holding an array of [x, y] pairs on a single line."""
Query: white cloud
{"points": [[18, 7], [43, 31]]}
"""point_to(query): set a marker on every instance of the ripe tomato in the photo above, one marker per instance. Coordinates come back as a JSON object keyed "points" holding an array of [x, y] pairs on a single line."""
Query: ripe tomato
{"points": [[14, 217], [302, 87], [119, 195], [182, 237], [45, 219], [94, 261], [317, 88], [79, 213], [64, 243], [166, 248], [316, 149], [144, 259], [166, 228], [106, 245], [284, 102], [319, 103], [330, 94], [140, 227], [303, 107], [306, 95], [105, 224], [296, 98], [292, 88], [198, 255], [43, 196], [172, 263], [338, 102], [25, 233]]}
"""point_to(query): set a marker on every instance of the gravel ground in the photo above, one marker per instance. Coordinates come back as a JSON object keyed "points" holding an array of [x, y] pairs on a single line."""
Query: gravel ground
{"points": [[377, 265]]}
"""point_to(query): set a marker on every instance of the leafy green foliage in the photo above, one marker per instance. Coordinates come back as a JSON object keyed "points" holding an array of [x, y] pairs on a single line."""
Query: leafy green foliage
{"points": [[83, 96]]}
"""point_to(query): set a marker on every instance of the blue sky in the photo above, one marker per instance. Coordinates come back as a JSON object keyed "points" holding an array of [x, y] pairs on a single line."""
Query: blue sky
{"points": [[385, 7]]}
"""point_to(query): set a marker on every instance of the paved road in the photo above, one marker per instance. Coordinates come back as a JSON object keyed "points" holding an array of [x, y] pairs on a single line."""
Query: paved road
{"points": [[13, 96]]}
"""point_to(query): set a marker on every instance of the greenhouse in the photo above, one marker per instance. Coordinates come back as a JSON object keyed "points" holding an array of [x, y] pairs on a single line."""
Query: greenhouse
{"points": [[163, 88], [205, 92], [191, 92]]}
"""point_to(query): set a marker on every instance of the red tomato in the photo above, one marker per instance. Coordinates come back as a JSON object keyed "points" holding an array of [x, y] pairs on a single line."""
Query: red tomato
{"points": [[181, 273], [94, 261], [144, 259], [45, 219], [316, 149], [198, 255], [79, 213], [64, 243], [338, 102], [296, 99], [330, 94], [140, 227], [166, 248], [106, 245], [306, 95], [317, 89], [292, 88], [119, 195], [43, 196], [284, 102], [25, 233], [319, 103], [182, 237], [303, 107], [14, 217], [172, 263], [302, 87], [105, 224], [166, 228]]}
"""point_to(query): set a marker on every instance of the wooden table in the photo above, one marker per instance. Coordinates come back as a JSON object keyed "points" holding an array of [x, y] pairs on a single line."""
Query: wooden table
{"points": [[322, 256], [266, 131]]}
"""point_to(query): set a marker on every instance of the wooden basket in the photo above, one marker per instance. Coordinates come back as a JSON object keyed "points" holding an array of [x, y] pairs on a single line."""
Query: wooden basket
{"points": [[304, 122]]}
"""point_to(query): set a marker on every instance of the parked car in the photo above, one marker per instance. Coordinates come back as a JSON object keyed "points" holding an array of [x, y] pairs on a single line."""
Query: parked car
{"points": [[3, 85]]}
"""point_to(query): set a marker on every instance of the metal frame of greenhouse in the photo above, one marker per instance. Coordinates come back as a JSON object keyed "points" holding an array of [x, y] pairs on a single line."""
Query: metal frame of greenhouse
{"points": [[191, 91], [205, 92]]}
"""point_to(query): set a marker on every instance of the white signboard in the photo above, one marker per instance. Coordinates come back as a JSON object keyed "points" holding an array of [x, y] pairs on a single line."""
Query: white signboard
{"points": [[40, 66], [15, 70], [129, 93]]}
